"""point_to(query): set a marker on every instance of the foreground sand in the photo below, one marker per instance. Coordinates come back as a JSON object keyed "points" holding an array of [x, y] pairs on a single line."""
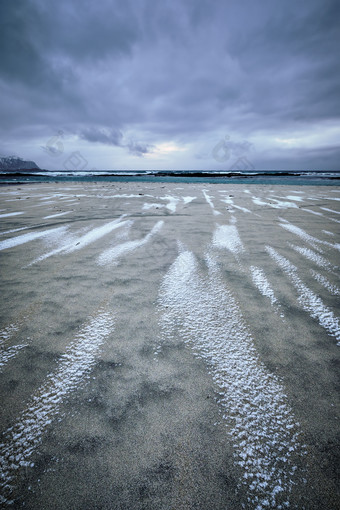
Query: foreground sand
{"points": [[169, 346]]}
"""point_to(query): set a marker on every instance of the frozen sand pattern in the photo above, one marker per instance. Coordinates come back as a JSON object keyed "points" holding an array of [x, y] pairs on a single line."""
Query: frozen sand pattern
{"points": [[7, 215], [262, 284], [332, 289], [309, 301], [9, 352], [31, 236], [6, 354], [21, 440], [313, 241], [259, 420], [227, 237], [209, 201], [112, 255], [56, 215], [309, 254], [84, 240]]}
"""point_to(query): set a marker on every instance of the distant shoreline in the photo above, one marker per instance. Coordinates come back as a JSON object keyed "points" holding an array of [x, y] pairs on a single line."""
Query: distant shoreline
{"points": [[299, 177]]}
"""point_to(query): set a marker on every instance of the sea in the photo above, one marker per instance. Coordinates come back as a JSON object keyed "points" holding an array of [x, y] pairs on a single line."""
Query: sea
{"points": [[301, 178]]}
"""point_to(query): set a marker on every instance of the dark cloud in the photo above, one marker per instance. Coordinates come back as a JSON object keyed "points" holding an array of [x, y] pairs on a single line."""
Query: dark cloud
{"points": [[103, 135], [131, 74]]}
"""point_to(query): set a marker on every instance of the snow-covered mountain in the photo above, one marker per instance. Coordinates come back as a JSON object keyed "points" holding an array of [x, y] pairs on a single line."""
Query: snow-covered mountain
{"points": [[14, 163]]}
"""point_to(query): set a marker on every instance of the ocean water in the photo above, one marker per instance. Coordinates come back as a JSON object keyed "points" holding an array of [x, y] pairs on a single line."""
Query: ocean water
{"points": [[309, 178]]}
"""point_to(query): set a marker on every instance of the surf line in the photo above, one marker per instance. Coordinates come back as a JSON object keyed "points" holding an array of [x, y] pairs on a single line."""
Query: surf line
{"points": [[258, 417], [21, 440]]}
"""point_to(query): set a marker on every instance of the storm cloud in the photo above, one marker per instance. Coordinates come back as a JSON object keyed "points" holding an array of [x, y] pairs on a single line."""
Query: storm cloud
{"points": [[144, 84]]}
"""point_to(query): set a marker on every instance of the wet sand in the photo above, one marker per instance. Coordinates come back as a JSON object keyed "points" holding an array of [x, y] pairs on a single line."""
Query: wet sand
{"points": [[169, 346]]}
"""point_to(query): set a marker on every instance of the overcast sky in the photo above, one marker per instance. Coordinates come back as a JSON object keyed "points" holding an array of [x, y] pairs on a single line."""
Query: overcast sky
{"points": [[183, 84]]}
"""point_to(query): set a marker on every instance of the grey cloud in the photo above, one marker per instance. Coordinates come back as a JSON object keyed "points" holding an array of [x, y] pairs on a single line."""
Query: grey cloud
{"points": [[172, 70], [105, 136]]}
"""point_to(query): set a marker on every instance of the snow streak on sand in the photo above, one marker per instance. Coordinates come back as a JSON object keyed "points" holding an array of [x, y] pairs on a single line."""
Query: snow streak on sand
{"points": [[313, 241], [261, 282], [23, 438], [9, 353], [7, 332], [329, 210], [309, 301], [84, 240], [7, 215], [172, 202], [113, 254], [258, 417], [208, 199], [311, 255], [56, 215], [333, 289], [227, 236], [31, 236]]}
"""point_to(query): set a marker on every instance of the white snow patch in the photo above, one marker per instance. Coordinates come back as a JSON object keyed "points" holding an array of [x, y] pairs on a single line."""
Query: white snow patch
{"points": [[333, 289], [187, 200], [309, 301], [113, 254], [172, 202], [227, 236], [147, 206], [88, 238], [311, 255], [23, 438], [56, 215], [209, 201], [7, 215], [31, 236], [259, 419], [329, 210], [311, 211], [261, 282], [313, 241], [9, 353]]}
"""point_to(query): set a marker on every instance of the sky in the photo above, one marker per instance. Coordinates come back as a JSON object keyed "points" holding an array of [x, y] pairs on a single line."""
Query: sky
{"points": [[180, 84]]}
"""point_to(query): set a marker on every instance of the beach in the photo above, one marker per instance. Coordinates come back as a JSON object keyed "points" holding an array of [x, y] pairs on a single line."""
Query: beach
{"points": [[169, 346]]}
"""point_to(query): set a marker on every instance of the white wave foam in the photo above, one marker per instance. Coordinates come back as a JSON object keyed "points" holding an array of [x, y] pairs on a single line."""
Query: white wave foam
{"points": [[259, 420], [22, 439], [309, 301]]}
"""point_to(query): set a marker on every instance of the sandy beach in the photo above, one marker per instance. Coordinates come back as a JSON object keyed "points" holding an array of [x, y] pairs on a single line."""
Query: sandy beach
{"points": [[169, 346]]}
